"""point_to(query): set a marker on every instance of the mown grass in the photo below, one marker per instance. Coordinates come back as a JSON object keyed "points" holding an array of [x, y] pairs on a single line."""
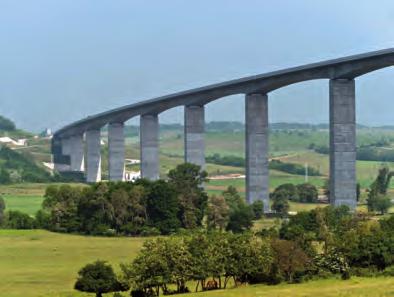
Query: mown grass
{"points": [[355, 287], [37, 262], [29, 204], [41, 263]]}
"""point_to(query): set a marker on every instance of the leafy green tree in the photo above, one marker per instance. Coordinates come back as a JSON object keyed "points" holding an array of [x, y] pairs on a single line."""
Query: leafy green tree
{"points": [[232, 197], [241, 215], [149, 271], [289, 258], [179, 262], [247, 256], [2, 209], [240, 219], [288, 190], [5, 177], [43, 219], [162, 207], [281, 203], [382, 203], [217, 212], [98, 278], [16, 219], [258, 209], [95, 211], [199, 246], [6, 124], [188, 180], [62, 203], [377, 199], [307, 193]]}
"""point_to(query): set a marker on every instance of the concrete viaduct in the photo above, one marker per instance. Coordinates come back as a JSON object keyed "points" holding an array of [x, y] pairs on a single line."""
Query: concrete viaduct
{"points": [[68, 146]]}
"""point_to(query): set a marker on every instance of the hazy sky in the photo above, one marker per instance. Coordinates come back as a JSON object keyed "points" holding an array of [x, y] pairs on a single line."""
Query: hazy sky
{"points": [[63, 60]]}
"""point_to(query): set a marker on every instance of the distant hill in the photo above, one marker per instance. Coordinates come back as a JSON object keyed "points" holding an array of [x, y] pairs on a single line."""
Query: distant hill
{"points": [[19, 167], [230, 126], [8, 128]]}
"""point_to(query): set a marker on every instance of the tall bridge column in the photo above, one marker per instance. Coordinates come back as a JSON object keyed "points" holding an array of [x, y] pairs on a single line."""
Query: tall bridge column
{"points": [[116, 151], [194, 135], [149, 146], [256, 147], [342, 143], [93, 156], [76, 151]]}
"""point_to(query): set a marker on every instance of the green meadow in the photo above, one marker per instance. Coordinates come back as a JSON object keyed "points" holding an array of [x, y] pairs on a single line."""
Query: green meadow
{"points": [[41, 263]]}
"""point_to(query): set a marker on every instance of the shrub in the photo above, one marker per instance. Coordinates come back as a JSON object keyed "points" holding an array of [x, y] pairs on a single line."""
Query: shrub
{"points": [[388, 271], [307, 193], [19, 220]]}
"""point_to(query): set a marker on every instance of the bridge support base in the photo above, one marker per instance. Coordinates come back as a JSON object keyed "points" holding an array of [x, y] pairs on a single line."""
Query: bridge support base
{"points": [[342, 143], [194, 135], [93, 156], [149, 146], [75, 148], [256, 147], [116, 151]]}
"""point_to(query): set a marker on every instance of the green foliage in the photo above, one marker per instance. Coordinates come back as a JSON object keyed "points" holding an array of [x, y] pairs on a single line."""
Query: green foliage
{"points": [[258, 209], [237, 161], [187, 180], [6, 124], [377, 198], [5, 177], [2, 209], [21, 166], [307, 193], [292, 168], [98, 278], [288, 191], [281, 203], [177, 260], [162, 207], [241, 215], [19, 220], [289, 258], [217, 212]]}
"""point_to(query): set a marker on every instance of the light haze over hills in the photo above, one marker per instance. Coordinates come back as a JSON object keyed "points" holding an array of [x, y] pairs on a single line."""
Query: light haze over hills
{"points": [[64, 60]]}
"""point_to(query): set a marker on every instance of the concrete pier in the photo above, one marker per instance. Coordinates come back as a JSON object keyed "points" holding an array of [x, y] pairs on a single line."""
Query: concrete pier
{"points": [[93, 156], [76, 152], [194, 135], [116, 151], [149, 146], [256, 148], [342, 143]]}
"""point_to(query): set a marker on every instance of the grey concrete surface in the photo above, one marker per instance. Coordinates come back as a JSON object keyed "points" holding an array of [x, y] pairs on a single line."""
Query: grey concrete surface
{"points": [[256, 148], [116, 151], [342, 143], [340, 71], [346, 67], [93, 156], [149, 146], [76, 153], [194, 126]]}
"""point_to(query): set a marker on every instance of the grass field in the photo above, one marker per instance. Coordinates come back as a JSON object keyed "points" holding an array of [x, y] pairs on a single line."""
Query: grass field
{"points": [[41, 263], [355, 287]]}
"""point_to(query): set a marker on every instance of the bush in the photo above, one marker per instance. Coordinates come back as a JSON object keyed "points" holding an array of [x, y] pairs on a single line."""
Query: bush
{"points": [[19, 220], [150, 231], [388, 271], [307, 193]]}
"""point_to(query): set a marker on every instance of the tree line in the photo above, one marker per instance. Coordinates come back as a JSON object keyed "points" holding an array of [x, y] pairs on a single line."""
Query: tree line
{"points": [[236, 161], [321, 243], [139, 208]]}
